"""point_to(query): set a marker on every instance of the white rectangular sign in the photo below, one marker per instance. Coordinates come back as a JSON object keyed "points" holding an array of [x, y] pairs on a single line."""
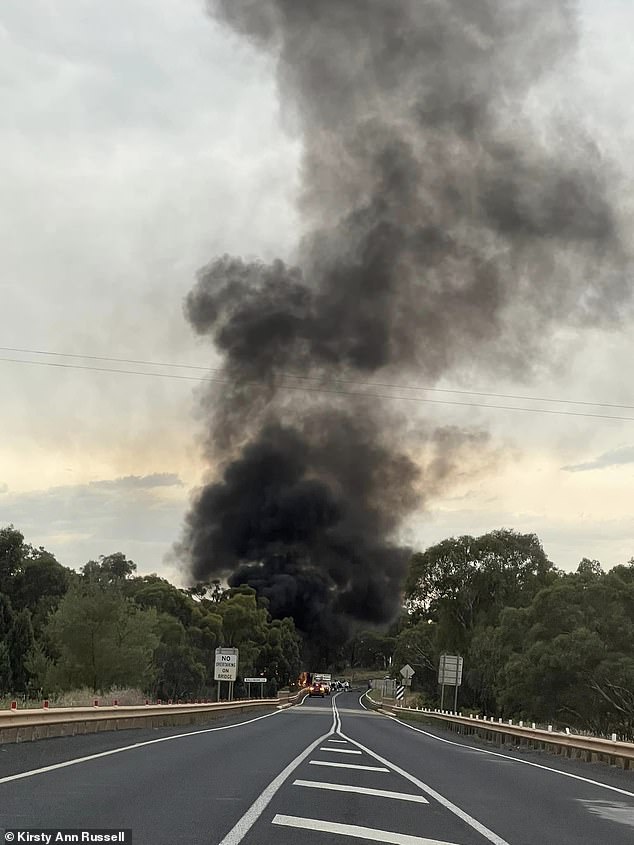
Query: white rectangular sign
{"points": [[255, 680], [226, 664], [450, 670]]}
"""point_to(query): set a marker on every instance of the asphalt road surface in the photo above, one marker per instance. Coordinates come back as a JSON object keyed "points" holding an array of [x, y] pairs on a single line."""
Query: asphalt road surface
{"points": [[328, 772]]}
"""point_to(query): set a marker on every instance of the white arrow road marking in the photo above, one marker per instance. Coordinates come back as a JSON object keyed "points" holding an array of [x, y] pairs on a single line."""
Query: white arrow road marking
{"points": [[378, 793], [356, 830], [347, 766]]}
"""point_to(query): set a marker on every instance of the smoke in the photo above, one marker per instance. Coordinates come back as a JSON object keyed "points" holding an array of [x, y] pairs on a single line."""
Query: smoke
{"points": [[440, 229]]}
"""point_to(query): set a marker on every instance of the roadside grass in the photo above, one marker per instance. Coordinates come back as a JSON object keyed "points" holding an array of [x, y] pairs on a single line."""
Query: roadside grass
{"points": [[85, 697]]}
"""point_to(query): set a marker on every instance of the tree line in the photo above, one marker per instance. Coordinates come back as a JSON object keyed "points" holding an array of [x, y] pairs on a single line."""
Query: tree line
{"points": [[106, 627], [538, 643]]}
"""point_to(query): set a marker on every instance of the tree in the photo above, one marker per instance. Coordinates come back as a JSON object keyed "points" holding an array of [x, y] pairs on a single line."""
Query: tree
{"points": [[102, 638], [7, 617], [164, 597], [6, 681], [110, 569], [464, 582], [567, 657], [371, 649], [21, 639], [39, 584], [11, 542], [280, 658], [38, 665]]}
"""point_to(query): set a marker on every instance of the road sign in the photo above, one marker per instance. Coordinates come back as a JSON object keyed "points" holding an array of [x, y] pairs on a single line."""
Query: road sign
{"points": [[450, 670], [255, 680], [226, 664], [407, 671], [400, 692]]}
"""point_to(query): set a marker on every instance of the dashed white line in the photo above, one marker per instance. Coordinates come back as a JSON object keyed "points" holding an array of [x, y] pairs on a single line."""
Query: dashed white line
{"points": [[347, 766], [377, 793], [340, 750], [356, 830]]}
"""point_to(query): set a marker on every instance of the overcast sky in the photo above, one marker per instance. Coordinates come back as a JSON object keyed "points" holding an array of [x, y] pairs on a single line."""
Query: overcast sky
{"points": [[137, 141]]}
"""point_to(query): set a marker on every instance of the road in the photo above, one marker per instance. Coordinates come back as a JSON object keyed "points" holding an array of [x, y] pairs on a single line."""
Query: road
{"points": [[326, 772]]}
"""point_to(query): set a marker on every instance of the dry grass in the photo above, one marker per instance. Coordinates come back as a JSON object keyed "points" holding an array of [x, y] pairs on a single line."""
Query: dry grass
{"points": [[81, 698]]}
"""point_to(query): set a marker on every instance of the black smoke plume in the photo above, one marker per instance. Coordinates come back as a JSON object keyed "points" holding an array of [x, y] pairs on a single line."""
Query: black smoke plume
{"points": [[441, 228]]}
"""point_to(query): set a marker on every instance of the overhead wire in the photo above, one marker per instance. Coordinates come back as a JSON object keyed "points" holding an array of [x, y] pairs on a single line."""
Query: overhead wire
{"points": [[322, 390], [319, 379]]}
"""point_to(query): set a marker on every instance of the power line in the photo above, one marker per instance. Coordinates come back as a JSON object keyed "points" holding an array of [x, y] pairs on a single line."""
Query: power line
{"points": [[353, 382], [323, 390]]}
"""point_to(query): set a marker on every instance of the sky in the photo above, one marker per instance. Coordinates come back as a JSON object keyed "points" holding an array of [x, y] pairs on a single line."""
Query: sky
{"points": [[139, 140]]}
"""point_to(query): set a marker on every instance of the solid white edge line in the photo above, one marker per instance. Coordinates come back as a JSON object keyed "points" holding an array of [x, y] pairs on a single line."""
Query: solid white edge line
{"points": [[76, 760], [362, 790], [340, 750], [369, 833], [246, 822], [346, 766], [363, 695], [516, 760]]}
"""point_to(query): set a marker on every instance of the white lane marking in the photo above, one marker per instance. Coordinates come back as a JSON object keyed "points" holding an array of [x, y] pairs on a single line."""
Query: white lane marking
{"points": [[474, 823], [516, 760], [340, 750], [356, 830], [244, 825], [360, 702], [74, 762], [379, 793], [347, 766], [341, 741]]}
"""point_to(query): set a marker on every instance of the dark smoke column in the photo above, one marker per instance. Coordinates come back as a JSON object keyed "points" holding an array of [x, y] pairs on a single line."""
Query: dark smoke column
{"points": [[441, 231]]}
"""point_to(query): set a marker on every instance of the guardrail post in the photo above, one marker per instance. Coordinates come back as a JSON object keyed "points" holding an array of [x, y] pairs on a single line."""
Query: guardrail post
{"points": [[14, 705], [45, 704]]}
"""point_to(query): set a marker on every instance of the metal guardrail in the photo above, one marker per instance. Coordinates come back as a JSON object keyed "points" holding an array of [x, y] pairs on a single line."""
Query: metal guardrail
{"points": [[589, 747], [28, 724]]}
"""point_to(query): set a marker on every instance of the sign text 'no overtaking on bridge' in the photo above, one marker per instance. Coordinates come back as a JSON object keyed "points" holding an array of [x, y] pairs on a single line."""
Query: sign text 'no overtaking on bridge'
{"points": [[226, 664]]}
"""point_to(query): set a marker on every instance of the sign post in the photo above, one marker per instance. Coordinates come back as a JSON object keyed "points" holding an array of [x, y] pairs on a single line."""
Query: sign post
{"points": [[261, 681], [226, 668], [450, 674]]}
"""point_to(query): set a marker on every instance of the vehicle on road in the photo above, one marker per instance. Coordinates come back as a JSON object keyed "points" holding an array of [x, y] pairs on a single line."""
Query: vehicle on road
{"points": [[316, 689]]}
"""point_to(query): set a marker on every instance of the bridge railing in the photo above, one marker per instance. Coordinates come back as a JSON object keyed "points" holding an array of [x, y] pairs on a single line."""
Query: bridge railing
{"points": [[18, 725], [508, 732]]}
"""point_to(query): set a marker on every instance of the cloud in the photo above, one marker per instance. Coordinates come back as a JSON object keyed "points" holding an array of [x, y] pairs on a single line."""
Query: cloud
{"points": [[615, 457], [138, 515], [139, 482]]}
